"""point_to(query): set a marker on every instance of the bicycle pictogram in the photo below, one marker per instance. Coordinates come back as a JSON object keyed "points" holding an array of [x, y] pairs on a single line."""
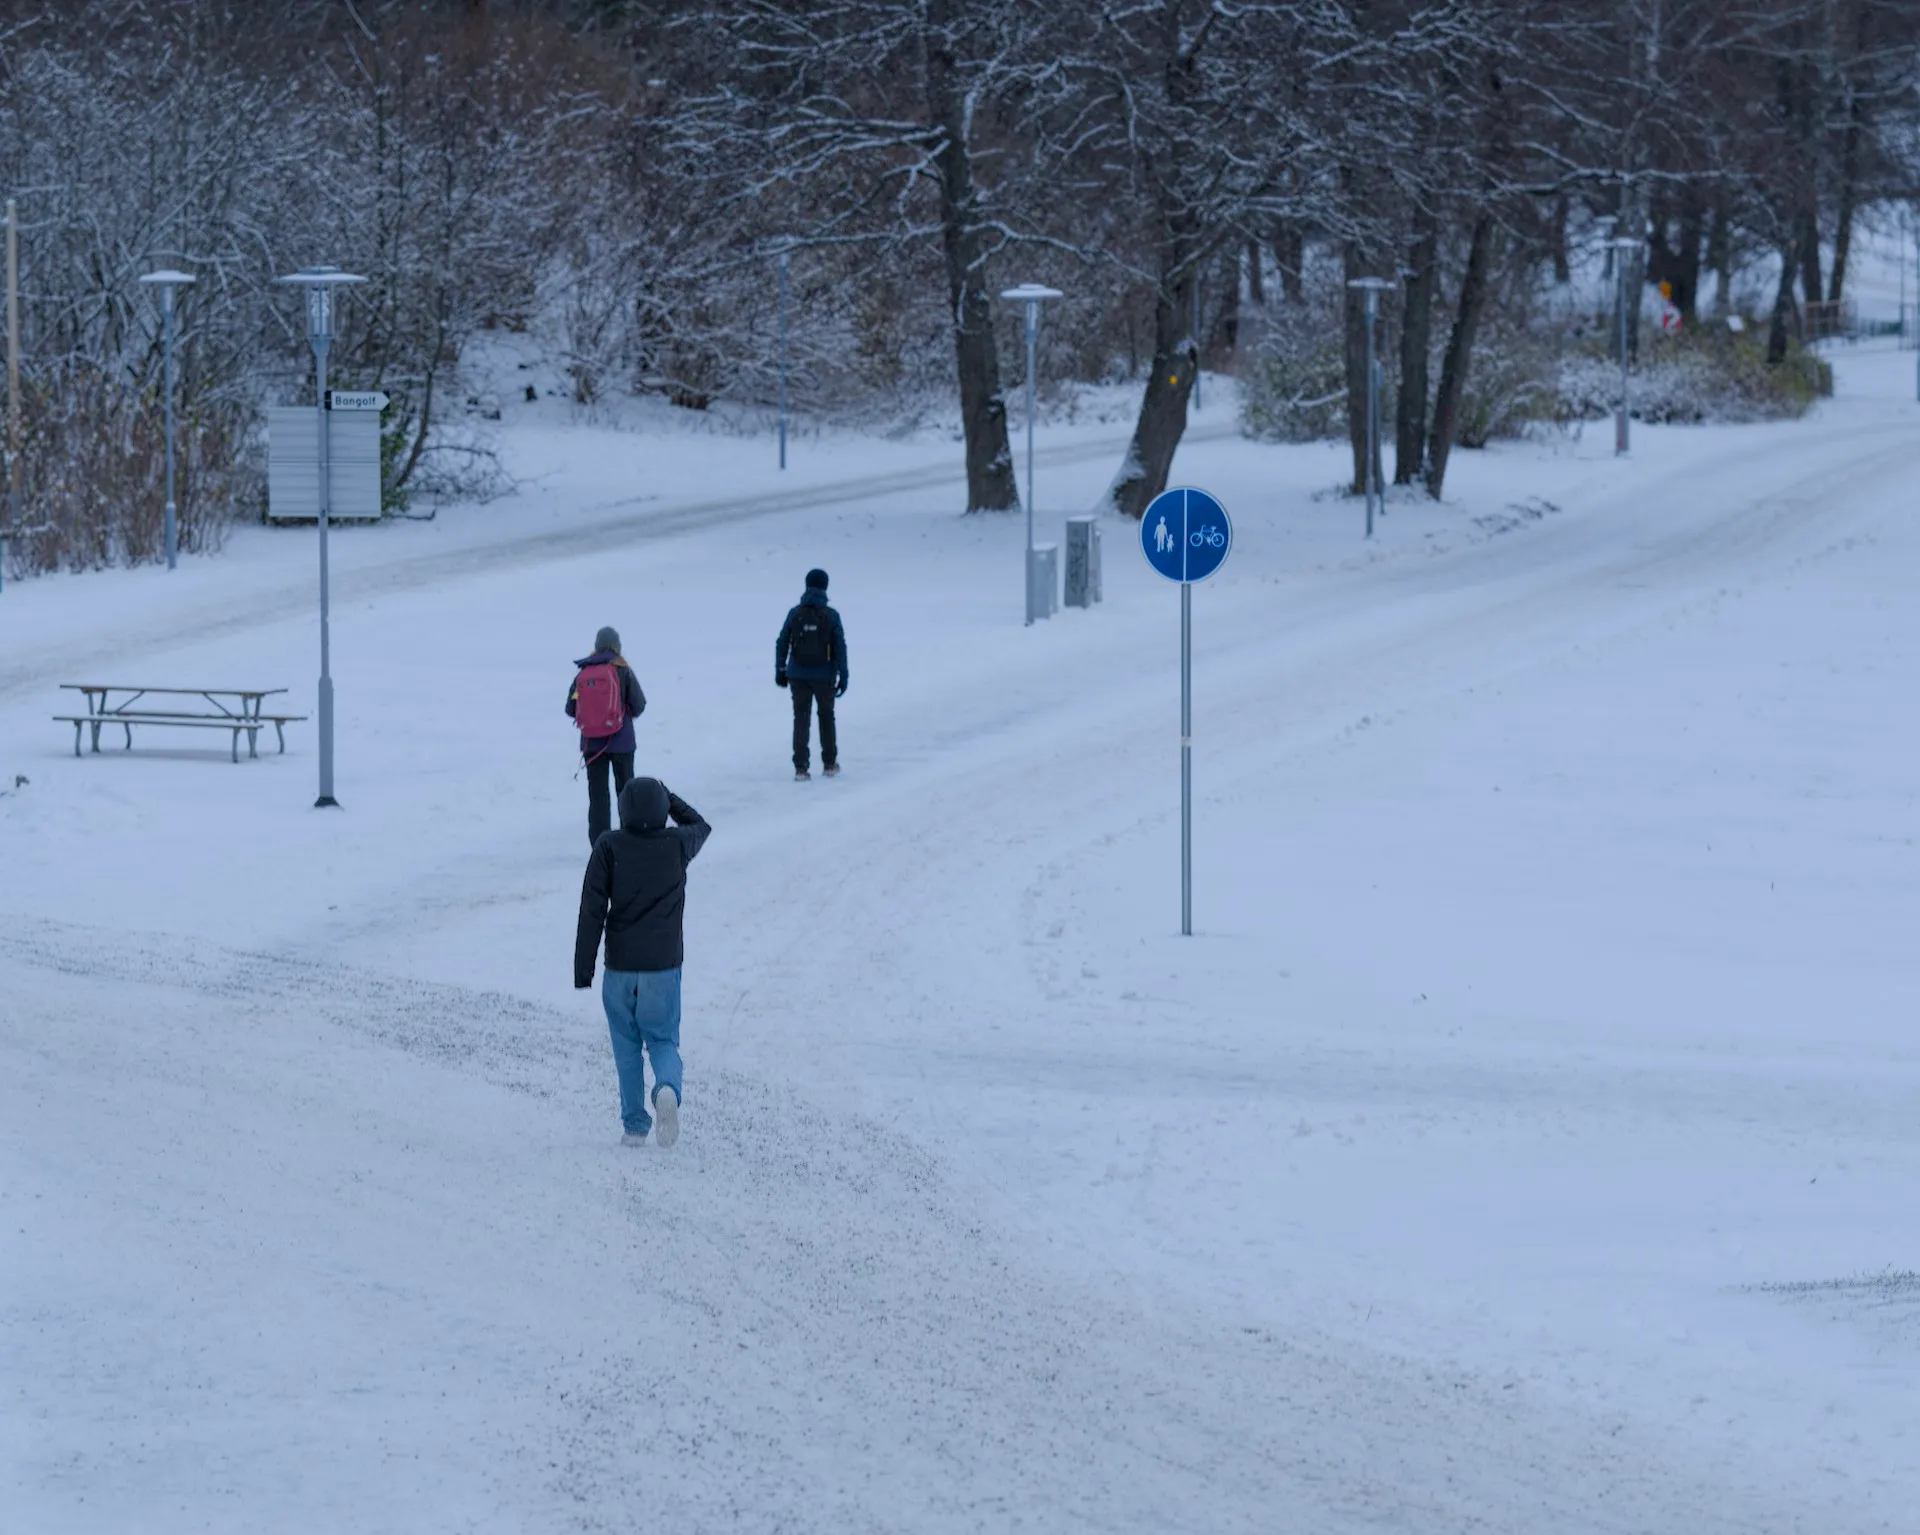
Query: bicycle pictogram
{"points": [[1201, 537]]}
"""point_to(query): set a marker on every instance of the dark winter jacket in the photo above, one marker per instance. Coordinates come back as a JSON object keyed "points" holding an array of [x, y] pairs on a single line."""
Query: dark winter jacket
{"points": [[836, 669], [636, 885], [631, 698]]}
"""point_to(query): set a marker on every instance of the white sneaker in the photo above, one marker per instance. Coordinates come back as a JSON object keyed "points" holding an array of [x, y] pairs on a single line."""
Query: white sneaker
{"points": [[666, 1115], [630, 1139]]}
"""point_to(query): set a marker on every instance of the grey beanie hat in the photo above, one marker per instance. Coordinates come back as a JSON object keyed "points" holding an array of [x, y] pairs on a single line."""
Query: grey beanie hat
{"points": [[607, 639]]}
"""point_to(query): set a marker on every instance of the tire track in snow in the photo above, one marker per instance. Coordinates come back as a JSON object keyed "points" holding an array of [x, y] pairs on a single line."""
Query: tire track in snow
{"points": [[793, 1322]]}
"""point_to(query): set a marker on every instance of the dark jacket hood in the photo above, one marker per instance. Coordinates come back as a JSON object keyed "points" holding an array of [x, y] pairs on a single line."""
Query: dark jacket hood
{"points": [[813, 597], [643, 805], [598, 658]]}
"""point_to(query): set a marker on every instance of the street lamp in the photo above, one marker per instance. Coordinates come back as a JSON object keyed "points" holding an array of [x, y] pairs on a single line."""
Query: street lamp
{"points": [[1031, 296], [783, 357], [167, 281], [1916, 299], [1195, 328], [319, 283], [1622, 246], [1372, 287], [13, 377]]}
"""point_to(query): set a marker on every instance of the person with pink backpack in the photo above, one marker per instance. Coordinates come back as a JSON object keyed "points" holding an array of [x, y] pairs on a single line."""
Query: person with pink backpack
{"points": [[603, 702]]}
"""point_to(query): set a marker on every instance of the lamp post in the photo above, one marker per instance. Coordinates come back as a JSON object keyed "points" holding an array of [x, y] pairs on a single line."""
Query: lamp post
{"points": [[167, 281], [1622, 246], [13, 376], [319, 283], [783, 358], [1030, 296], [1372, 288], [1195, 328]]}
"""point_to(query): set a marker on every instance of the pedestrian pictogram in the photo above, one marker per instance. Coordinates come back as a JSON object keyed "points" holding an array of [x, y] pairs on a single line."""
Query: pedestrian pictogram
{"points": [[1186, 534]]}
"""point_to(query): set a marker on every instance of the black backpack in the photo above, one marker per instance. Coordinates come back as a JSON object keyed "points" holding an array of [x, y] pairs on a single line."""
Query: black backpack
{"points": [[811, 640]]}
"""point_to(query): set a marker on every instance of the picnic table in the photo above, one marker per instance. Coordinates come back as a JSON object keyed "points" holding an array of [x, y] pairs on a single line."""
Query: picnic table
{"points": [[240, 711]]}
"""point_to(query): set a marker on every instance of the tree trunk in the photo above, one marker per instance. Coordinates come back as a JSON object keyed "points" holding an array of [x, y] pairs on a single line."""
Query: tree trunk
{"points": [[1777, 332], [1225, 332], [983, 409], [1808, 236], [1353, 265], [1562, 266], [1475, 287], [1849, 183], [1289, 251], [1256, 278], [1416, 343], [1686, 267], [1720, 254], [1163, 408]]}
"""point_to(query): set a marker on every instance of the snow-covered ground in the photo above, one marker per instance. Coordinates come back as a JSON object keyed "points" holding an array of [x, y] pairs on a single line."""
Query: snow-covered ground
{"points": [[1526, 1142]]}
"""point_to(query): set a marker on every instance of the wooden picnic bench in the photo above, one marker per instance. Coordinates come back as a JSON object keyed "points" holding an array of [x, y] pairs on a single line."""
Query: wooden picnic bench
{"points": [[240, 711]]}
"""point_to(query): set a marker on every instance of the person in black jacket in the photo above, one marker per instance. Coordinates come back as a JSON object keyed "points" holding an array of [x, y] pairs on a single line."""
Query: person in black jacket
{"points": [[635, 893], [810, 657], [614, 753]]}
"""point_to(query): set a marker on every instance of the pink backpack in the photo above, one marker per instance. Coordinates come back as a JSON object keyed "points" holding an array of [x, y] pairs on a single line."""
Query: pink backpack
{"points": [[598, 708]]}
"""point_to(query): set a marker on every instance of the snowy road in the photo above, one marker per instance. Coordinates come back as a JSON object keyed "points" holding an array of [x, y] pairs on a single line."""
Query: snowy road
{"points": [[1552, 997]]}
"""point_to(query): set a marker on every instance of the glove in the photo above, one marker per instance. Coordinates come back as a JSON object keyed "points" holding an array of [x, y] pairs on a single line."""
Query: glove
{"points": [[841, 690], [779, 679]]}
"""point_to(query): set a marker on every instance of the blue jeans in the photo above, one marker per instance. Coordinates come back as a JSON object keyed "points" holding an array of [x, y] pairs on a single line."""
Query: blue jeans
{"points": [[643, 1015]]}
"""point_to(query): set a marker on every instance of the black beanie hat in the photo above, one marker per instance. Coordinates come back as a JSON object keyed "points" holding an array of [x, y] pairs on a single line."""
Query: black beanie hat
{"points": [[816, 580], [607, 639]]}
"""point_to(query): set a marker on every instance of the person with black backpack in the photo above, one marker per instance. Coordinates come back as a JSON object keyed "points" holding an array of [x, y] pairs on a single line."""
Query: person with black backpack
{"points": [[810, 658], [603, 702]]}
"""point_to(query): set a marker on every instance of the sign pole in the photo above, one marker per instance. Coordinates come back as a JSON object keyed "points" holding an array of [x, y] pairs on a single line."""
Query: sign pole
{"points": [[1186, 536], [1186, 759]]}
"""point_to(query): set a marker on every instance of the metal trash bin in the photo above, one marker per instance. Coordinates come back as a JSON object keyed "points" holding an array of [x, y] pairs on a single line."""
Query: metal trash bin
{"points": [[1043, 580], [1083, 562]]}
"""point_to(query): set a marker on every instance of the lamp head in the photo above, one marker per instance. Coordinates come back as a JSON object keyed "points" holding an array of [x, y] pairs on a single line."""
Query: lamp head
{"points": [[320, 281], [1030, 293]]}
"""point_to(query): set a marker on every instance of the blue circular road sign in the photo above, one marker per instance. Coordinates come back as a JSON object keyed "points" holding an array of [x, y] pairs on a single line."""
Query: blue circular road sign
{"points": [[1186, 535]]}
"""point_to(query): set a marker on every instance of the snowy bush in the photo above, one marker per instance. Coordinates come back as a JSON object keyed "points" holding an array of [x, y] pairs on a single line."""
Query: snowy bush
{"points": [[1295, 388], [1711, 375], [92, 468], [1510, 384]]}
